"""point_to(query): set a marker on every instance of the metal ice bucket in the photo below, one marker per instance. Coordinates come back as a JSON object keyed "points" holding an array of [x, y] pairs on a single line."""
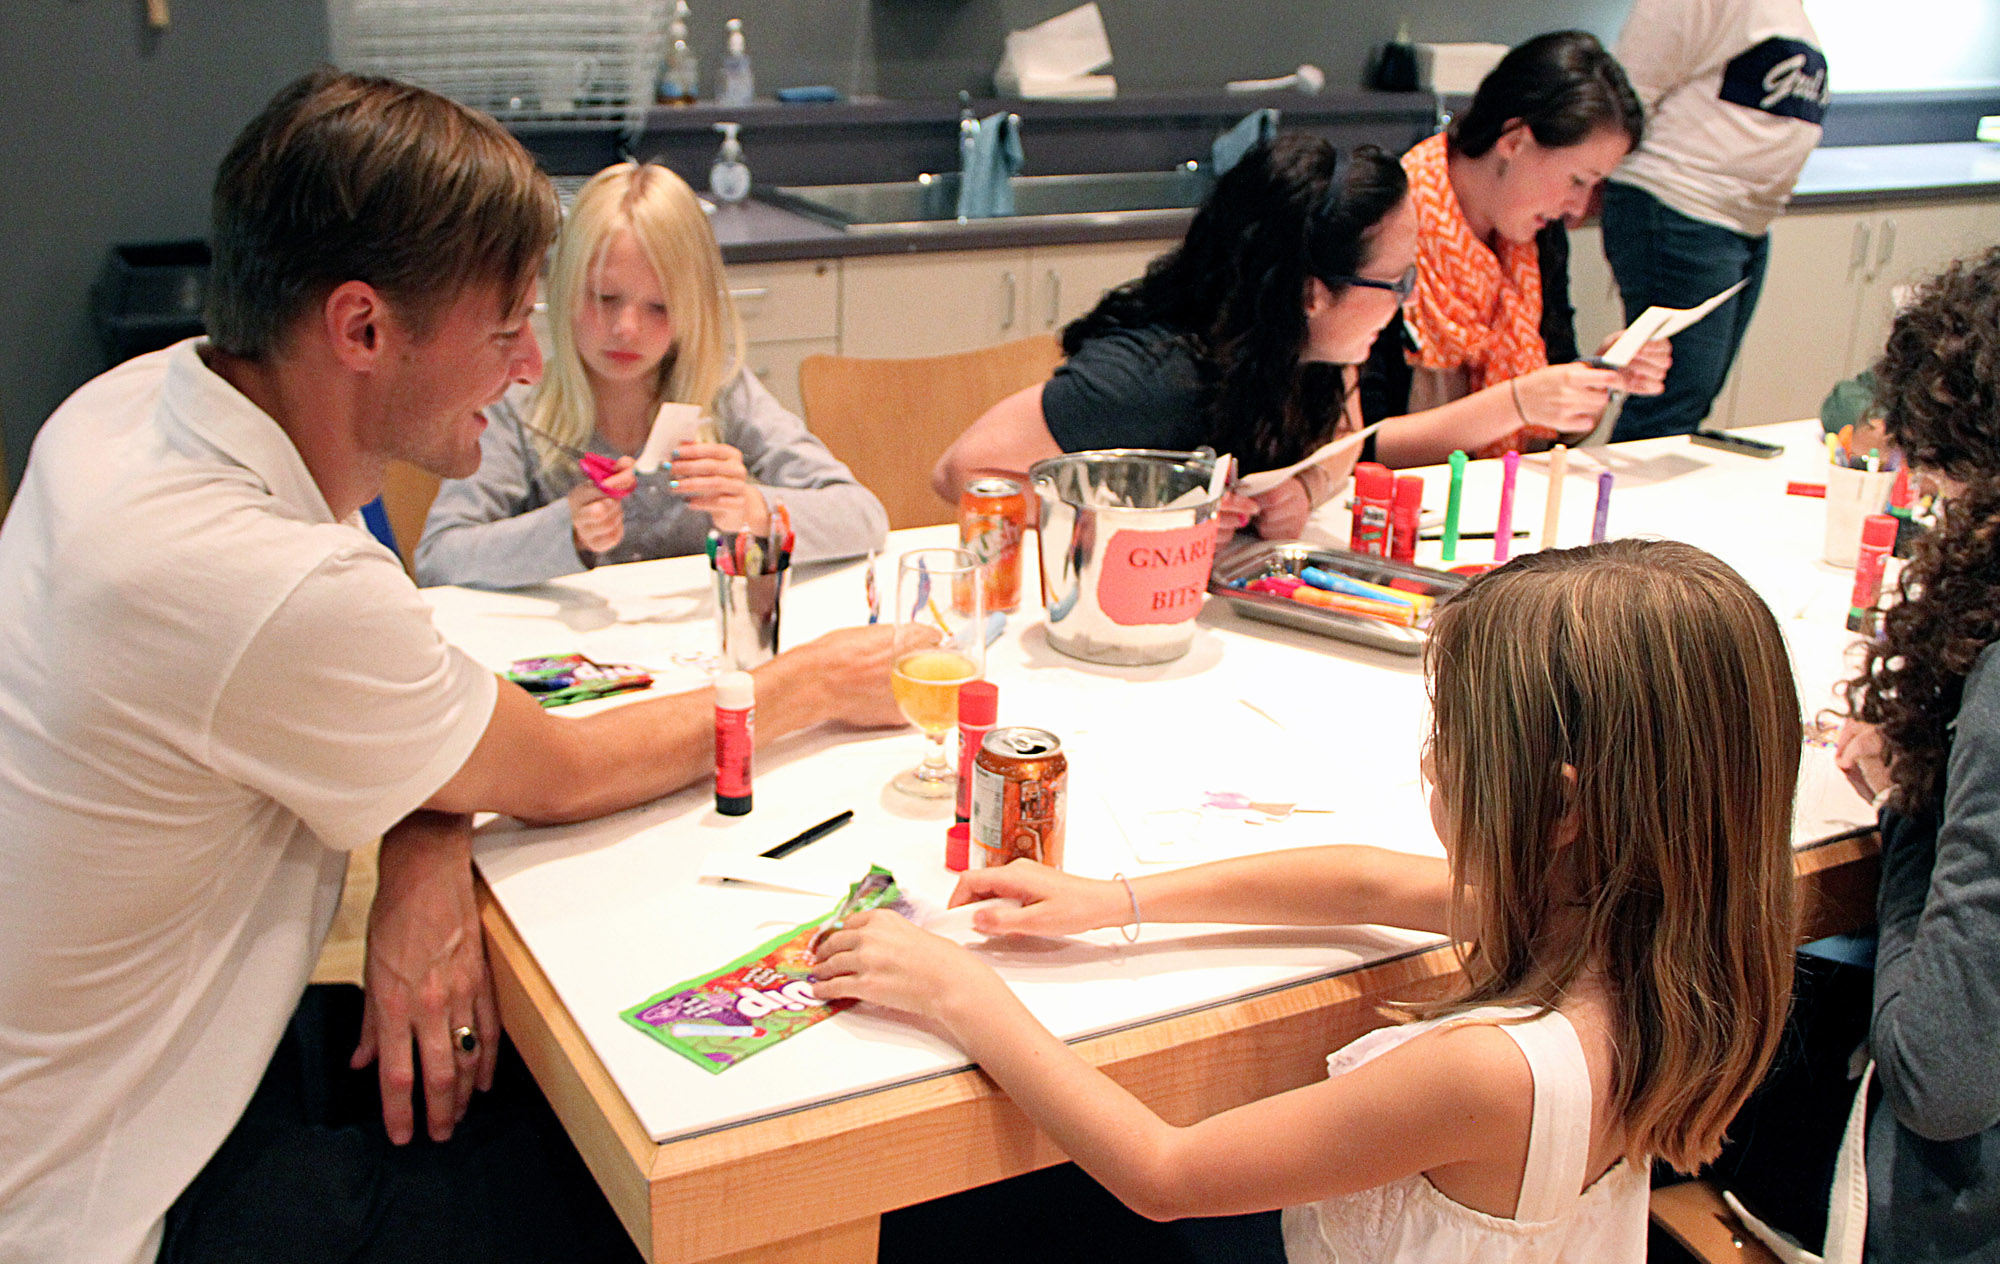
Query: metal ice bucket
{"points": [[1126, 543]]}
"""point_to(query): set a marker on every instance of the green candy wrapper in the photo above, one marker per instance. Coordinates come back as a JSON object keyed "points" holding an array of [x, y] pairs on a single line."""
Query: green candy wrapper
{"points": [[764, 996]]}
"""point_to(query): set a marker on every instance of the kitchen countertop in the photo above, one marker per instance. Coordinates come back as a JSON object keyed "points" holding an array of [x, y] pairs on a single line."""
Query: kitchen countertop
{"points": [[1856, 175]]}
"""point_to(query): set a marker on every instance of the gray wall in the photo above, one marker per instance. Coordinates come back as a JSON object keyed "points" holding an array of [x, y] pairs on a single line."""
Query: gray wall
{"points": [[111, 133]]}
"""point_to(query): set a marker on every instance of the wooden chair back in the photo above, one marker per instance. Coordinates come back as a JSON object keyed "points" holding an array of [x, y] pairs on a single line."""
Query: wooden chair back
{"points": [[407, 494], [890, 420]]}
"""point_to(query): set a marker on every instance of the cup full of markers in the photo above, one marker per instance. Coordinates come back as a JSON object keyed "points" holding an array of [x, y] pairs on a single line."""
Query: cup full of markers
{"points": [[749, 569], [1858, 485]]}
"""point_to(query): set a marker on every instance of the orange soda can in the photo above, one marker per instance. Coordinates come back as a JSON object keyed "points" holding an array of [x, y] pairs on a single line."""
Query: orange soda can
{"points": [[1020, 779], [991, 512]]}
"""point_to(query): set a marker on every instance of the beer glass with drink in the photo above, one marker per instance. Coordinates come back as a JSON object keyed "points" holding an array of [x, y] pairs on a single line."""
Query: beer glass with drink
{"points": [[937, 591]]}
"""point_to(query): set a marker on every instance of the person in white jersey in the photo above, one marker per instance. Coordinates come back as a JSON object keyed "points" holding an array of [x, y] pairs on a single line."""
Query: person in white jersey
{"points": [[1735, 92], [214, 685]]}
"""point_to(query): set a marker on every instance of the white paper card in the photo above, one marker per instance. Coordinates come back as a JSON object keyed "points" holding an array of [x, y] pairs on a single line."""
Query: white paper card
{"points": [[1263, 481], [1660, 322], [673, 425]]}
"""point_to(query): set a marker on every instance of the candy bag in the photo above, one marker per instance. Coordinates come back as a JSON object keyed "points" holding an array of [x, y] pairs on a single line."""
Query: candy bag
{"points": [[565, 678], [764, 996]]}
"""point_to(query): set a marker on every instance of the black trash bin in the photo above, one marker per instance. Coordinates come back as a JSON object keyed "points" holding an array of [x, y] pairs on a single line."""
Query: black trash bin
{"points": [[149, 296]]}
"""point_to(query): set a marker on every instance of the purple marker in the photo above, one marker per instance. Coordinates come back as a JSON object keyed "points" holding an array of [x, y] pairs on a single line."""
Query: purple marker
{"points": [[1503, 527], [1603, 508]]}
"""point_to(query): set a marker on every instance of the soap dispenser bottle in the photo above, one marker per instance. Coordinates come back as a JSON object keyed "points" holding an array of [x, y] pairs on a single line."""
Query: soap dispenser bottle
{"points": [[680, 71], [738, 86], [729, 178]]}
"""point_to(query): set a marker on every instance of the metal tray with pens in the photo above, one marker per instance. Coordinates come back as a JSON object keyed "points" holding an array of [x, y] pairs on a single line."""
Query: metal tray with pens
{"points": [[1292, 557]]}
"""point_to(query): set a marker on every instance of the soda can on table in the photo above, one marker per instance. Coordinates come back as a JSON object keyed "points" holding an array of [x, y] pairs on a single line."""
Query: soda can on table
{"points": [[990, 513], [1020, 781]]}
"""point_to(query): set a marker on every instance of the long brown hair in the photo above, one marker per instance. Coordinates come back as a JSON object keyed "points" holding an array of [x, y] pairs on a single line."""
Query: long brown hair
{"points": [[1616, 737], [1939, 385]]}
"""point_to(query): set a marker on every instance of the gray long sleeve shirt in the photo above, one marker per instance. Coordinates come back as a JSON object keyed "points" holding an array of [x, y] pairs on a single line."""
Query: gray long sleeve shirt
{"points": [[509, 524], [1934, 1140]]}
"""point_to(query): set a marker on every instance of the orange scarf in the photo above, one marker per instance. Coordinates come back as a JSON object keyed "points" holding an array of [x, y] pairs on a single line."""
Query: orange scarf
{"points": [[1474, 308]]}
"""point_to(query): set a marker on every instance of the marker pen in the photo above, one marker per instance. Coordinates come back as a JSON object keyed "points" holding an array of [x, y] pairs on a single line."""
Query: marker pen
{"points": [[735, 740], [1602, 517], [1503, 527], [1552, 514], [1451, 507]]}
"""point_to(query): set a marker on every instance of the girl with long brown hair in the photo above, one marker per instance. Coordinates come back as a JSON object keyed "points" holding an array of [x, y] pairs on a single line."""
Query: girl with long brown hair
{"points": [[1615, 738]]}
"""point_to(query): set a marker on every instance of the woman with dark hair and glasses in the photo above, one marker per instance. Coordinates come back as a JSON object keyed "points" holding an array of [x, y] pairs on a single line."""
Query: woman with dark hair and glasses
{"points": [[1244, 338], [1487, 359]]}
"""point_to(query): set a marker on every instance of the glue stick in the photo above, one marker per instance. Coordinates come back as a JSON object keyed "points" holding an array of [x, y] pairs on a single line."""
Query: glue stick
{"points": [[735, 739], [978, 703], [1406, 510], [1878, 536], [1374, 490]]}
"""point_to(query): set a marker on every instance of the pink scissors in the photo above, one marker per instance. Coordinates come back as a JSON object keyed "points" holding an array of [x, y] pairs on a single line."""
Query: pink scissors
{"points": [[596, 468]]}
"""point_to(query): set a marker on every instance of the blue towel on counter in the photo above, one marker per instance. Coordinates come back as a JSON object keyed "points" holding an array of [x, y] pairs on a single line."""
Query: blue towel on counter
{"points": [[992, 158], [1256, 127]]}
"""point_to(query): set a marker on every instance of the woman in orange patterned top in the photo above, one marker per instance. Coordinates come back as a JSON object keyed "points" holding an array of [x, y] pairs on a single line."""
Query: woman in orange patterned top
{"points": [[1488, 362]]}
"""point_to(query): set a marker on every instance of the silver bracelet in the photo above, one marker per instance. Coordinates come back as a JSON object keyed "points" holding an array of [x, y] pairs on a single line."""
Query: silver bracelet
{"points": [[1131, 935]]}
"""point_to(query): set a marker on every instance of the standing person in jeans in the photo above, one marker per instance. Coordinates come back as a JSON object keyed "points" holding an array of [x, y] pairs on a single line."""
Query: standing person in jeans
{"points": [[1734, 91]]}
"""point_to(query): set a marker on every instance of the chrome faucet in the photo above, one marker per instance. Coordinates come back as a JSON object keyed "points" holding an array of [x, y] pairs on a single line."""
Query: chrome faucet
{"points": [[968, 133]]}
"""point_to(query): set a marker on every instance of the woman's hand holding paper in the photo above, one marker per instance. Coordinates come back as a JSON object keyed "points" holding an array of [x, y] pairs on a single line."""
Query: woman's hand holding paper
{"points": [[1646, 373], [1569, 398], [1282, 511]]}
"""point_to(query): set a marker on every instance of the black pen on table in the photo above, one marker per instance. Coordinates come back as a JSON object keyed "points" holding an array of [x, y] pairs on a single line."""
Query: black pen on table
{"points": [[812, 835]]}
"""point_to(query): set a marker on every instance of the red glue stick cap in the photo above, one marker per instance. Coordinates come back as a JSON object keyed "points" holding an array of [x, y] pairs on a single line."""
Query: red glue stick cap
{"points": [[1899, 494], [1373, 481], [958, 848], [978, 702], [1878, 532], [1409, 491]]}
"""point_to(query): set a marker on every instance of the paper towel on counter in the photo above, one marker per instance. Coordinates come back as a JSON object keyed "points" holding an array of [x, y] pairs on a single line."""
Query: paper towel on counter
{"points": [[1055, 60]]}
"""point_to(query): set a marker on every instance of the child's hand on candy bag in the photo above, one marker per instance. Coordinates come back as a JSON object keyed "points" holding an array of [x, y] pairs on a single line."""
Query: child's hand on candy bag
{"points": [[881, 958], [1052, 902]]}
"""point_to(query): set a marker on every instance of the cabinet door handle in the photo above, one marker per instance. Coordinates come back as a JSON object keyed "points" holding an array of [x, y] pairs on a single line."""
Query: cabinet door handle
{"points": [[1885, 248], [1012, 287], [755, 291], [1055, 298], [1857, 256]]}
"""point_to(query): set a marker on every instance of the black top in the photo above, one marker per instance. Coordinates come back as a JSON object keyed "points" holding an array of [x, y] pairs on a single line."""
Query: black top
{"points": [[1385, 379], [1129, 388], [1144, 387]]}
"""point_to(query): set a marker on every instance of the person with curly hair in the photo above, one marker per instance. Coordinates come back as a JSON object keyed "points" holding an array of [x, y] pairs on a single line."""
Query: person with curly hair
{"points": [[1244, 338], [1925, 741]]}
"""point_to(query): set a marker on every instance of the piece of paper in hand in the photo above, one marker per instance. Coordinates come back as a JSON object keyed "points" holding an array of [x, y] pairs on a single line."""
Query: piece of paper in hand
{"points": [[1660, 322], [1347, 445], [673, 425]]}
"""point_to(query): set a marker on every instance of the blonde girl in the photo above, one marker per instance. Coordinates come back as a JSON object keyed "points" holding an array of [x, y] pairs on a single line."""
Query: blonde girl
{"points": [[639, 316], [1615, 737]]}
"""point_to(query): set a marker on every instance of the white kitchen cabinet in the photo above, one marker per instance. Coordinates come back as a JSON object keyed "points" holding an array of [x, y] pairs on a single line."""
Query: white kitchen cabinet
{"points": [[1067, 281], [935, 304], [1827, 301], [789, 310]]}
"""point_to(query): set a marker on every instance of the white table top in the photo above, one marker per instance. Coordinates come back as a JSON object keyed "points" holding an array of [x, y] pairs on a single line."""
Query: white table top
{"points": [[614, 910]]}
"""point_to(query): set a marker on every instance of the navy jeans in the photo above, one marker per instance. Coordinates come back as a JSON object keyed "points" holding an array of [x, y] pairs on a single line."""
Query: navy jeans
{"points": [[1664, 259]]}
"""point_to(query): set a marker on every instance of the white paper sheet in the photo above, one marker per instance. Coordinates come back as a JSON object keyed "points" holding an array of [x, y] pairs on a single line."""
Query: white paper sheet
{"points": [[1660, 322], [673, 425], [1263, 481]]}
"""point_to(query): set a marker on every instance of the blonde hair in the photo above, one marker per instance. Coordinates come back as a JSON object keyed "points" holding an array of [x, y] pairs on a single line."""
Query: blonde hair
{"points": [[666, 220], [1654, 672]]}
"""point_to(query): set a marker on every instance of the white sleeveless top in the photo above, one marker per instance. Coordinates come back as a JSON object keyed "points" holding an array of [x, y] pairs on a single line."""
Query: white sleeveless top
{"points": [[1557, 1220]]}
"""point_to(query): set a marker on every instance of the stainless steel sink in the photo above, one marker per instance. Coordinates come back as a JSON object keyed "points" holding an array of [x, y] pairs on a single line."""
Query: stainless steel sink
{"points": [[930, 202]]}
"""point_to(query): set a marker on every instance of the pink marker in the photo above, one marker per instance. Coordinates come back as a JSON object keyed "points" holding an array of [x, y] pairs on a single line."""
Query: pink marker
{"points": [[1603, 515], [1503, 527]]}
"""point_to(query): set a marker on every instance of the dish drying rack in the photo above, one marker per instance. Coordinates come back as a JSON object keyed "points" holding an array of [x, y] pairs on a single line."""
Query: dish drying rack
{"points": [[522, 61]]}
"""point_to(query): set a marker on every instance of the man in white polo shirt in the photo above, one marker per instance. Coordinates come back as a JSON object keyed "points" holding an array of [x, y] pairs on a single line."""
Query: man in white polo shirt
{"points": [[214, 684]]}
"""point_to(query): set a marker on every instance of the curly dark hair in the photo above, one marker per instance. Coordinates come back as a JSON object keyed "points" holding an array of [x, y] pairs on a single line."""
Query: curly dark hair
{"points": [[1234, 290], [1938, 384]]}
